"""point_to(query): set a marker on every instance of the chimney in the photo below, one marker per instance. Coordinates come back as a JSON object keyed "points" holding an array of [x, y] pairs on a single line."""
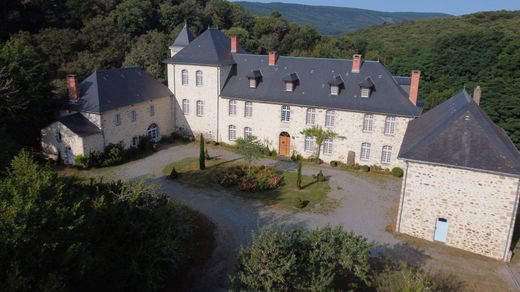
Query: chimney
{"points": [[273, 57], [72, 86], [414, 86], [356, 63], [235, 43], [477, 94]]}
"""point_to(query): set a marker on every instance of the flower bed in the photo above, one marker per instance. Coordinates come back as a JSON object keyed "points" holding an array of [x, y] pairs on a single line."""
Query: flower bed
{"points": [[250, 178]]}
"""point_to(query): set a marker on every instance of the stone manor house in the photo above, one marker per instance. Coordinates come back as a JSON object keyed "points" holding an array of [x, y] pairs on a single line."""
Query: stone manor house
{"points": [[461, 182]]}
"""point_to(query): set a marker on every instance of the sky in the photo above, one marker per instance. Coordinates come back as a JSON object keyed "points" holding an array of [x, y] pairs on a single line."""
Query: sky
{"points": [[455, 7]]}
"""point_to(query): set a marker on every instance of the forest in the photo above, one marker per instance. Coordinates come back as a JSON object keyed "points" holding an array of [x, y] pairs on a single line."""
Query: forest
{"points": [[43, 41]]}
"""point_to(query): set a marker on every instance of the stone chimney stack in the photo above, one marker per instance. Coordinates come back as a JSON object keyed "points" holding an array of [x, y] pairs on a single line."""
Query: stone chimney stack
{"points": [[356, 63], [73, 87], [414, 86], [273, 57], [477, 94], [235, 43]]}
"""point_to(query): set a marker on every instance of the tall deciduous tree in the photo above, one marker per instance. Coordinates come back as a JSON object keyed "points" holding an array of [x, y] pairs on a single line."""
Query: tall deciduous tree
{"points": [[148, 52], [319, 135]]}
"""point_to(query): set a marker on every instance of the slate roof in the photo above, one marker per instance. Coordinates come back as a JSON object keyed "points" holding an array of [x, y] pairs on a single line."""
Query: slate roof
{"points": [[109, 89], [80, 125], [313, 89], [184, 38], [212, 47], [458, 133]]}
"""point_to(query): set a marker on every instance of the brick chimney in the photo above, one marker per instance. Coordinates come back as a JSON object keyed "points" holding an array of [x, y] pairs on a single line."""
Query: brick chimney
{"points": [[414, 86], [356, 63], [72, 87], [235, 43], [273, 57], [477, 94]]}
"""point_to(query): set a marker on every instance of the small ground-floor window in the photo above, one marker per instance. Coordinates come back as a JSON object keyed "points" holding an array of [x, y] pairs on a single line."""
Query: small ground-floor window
{"points": [[153, 132], [441, 230], [135, 141]]}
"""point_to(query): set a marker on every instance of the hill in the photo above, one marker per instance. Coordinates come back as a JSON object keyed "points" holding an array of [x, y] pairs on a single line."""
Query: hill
{"points": [[330, 20]]}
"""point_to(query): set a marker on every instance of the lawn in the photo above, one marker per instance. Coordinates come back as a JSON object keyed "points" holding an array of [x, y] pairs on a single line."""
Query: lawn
{"points": [[314, 193]]}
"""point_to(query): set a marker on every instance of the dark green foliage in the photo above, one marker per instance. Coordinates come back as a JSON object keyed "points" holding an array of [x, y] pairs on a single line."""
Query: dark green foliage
{"points": [[284, 259], [334, 163], [299, 203], [397, 172], [250, 178], [59, 234], [320, 177], [250, 148], [174, 174], [365, 168], [202, 156], [299, 175]]}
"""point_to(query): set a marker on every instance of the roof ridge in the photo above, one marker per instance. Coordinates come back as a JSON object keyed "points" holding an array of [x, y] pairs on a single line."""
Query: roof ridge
{"points": [[306, 57]]}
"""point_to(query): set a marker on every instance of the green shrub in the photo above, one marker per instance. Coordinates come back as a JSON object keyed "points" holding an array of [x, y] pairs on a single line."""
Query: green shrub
{"points": [[299, 175], [320, 177], [397, 172], [82, 161], [365, 168], [202, 156], [250, 178], [273, 153], [299, 203], [206, 154], [334, 163]]}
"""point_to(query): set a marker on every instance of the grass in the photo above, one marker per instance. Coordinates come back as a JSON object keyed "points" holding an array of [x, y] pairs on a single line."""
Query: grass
{"points": [[314, 193]]}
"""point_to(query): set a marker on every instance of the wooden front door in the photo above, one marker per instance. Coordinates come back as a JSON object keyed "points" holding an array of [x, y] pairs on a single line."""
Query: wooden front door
{"points": [[285, 144]]}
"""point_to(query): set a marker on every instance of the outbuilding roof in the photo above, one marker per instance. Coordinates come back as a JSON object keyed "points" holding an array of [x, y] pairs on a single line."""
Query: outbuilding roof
{"points": [[79, 125], [458, 133], [109, 89]]}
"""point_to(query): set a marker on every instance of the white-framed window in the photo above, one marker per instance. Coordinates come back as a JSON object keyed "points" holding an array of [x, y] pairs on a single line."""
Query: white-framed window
{"points": [[135, 141], [199, 78], [153, 133], [327, 146], [365, 92], [286, 113], [200, 108], [232, 108], [248, 132], [248, 109], [386, 155], [334, 90], [186, 106], [368, 123], [152, 110], [252, 83], [133, 116], [232, 133], [365, 151], [309, 144], [289, 86], [184, 77], [330, 118], [310, 118], [390, 125], [117, 119]]}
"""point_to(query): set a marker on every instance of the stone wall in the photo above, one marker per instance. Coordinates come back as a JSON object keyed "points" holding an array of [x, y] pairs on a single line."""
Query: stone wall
{"points": [[479, 207], [266, 125]]}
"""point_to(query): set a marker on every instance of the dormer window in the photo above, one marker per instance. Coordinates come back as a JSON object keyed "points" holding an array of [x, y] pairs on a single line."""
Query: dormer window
{"points": [[366, 87], [335, 85], [289, 86], [290, 82], [254, 78], [365, 92], [334, 90]]}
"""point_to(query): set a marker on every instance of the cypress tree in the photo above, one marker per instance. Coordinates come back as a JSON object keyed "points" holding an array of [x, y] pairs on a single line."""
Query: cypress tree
{"points": [[202, 156], [299, 175]]}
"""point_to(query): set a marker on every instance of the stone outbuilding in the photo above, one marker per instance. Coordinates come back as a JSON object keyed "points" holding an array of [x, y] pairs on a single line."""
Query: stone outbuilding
{"points": [[462, 179]]}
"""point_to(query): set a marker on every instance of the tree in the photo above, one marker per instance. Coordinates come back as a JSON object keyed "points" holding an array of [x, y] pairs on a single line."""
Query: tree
{"points": [[134, 16], [320, 136], [202, 154], [250, 148], [299, 175], [148, 52]]}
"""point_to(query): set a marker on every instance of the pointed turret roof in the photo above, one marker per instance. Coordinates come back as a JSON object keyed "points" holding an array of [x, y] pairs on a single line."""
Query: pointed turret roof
{"points": [[184, 38], [458, 133]]}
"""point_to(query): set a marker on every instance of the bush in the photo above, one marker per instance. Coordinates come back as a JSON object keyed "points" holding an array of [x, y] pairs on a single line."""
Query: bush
{"points": [[206, 154], [334, 163], [379, 169], [320, 177], [299, 203], [365, 168], [397, 172], [273, 153], [82, 161], [174, 174], [250, 178]]}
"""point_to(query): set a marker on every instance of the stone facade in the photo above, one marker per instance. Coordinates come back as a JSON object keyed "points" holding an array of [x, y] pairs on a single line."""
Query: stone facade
{"points": [[480, 208], [53, 147]]}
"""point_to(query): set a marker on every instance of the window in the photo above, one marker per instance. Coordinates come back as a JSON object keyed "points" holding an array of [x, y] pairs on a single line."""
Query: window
{"points": [[248, 132], [135, 141], [368, 123], [133, 116], [311, 116], [286, 113], [232, 133], [309, 144], [198, 78], [200, 108], [152, 110], [330, 117], [248, 109], [365, 92], [289, 86], [389, 125], [386, 155], [117, 120], [185, 106], [252, 83], [58, 136], [334, 90], [365, 151], [232, 107], [153, 132], [184, 74], [327, 146]]}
